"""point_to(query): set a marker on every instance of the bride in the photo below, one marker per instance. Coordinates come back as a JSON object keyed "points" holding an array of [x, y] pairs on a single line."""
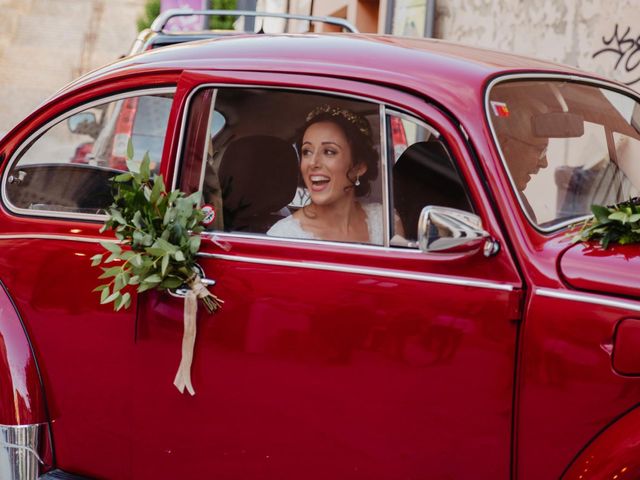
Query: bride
{"points": [[337, 164]]}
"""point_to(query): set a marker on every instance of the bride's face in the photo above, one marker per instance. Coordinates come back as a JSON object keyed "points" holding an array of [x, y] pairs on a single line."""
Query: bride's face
{"points": [[326, 164]]}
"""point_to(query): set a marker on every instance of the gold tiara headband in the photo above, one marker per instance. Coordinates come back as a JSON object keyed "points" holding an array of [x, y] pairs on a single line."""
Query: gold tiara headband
{"points": [[356, 120]]}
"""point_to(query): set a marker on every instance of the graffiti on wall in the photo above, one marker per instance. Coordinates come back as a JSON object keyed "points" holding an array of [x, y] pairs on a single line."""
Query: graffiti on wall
{"points": [[624, 50]]}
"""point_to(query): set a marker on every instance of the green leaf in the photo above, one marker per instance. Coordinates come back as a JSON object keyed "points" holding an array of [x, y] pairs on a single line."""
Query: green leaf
{"points": [[130, 148], [165, 265], [155, 278], [164, 245], [145, 170], [194, 244], [601, 213], [172, 282], [110, 298], [96, 260], [104, 295], [126, 300], [111, 246], [137, 220], [100, 288], [179, 256], [143, 287], [123, 177], [127, 255], [194, 198], [112, 258], [119, 282], [619, 216], [117, 216], [136, 260], [110, 272], [156, 251]]}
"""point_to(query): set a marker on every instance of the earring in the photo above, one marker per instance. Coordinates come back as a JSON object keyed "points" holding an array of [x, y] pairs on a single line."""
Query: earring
{"points": [[357, 184]]}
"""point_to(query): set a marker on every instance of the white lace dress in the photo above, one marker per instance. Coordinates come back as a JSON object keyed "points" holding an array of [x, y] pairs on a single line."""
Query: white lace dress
{"points": [[290, 227]]}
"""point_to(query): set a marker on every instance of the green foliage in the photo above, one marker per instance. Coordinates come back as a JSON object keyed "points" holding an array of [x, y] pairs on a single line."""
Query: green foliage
{"points": [[224, 22], [158, 234], [618, 224], [151, 11]]}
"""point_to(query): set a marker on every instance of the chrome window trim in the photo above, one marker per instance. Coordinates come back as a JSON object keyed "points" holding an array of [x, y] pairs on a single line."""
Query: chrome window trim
{"points": [[384, 173], [221, 236], [588, 298], [50, 124], [413, 119], [379, 272], [544, 76]]}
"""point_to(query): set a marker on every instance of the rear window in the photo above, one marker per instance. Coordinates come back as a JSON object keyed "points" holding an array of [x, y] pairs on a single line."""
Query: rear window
{"points": [[566, 146]]}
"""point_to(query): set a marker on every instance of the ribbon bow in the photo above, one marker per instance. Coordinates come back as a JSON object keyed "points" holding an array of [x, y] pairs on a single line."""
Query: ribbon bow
{"points": [[197, 290]]}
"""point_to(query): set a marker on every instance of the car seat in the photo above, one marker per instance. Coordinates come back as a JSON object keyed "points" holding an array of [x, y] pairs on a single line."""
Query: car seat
{"points": [[425, 175], [258, 176]]}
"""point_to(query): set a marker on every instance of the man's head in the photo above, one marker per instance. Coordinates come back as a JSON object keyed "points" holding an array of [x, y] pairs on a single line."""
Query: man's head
{"points": [[524, 152]]}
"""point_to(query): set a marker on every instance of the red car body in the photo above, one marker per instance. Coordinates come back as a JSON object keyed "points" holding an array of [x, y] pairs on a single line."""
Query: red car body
{"points": [[327, 360]]}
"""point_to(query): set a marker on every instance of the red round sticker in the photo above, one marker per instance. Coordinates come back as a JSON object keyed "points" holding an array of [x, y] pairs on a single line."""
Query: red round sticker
{"points": [[209, 214]]}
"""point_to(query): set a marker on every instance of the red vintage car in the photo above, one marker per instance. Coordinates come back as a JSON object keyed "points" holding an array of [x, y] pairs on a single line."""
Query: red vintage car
{"points": [[469, 337]]}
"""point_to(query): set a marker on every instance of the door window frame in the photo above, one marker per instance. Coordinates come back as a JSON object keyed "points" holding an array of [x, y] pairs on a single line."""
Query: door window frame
{"points": [[42, 130], [385, 166]]}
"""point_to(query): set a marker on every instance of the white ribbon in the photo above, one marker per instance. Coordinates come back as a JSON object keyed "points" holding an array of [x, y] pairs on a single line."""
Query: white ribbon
{"points": [[183, 376]]}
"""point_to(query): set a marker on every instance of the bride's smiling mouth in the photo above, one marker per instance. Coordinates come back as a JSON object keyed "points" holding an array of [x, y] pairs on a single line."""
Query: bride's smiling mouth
{"points": [[318, 182]]}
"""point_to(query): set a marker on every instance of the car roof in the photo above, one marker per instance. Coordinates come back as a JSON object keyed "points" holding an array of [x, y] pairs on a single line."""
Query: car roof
{"points": [[445, 72]]}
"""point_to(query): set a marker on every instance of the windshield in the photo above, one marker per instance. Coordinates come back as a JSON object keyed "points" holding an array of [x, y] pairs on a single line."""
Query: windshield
{"points": [[566, 146]]}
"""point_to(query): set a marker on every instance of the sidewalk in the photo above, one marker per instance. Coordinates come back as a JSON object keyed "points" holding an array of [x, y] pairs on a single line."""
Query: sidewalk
{"points": [[45, 44]]}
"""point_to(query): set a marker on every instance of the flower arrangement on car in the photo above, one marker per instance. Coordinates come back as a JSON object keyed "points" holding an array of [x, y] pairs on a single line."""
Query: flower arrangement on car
{"points": [[619, 224], [158, 233]]}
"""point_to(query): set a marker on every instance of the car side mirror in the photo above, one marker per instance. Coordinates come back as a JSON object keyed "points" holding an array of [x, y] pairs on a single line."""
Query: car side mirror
{"points": [[449, 230], [84, 123]]}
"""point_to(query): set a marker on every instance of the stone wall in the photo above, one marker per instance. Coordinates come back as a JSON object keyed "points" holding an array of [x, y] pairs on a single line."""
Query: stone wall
{"points": [[45, 44], [599, 36]]}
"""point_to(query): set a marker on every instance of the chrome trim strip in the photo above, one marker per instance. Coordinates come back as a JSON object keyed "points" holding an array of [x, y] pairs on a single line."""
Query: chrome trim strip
{"points": [[58, 119], [384, 173], [301, 241], [413, 119], [588, 298], [622, 89], [19, 451], [47, 236], [380, 272]]}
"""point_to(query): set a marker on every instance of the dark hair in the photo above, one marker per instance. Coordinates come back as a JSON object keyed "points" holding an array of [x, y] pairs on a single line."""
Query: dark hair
{"points": [[358, 133]]}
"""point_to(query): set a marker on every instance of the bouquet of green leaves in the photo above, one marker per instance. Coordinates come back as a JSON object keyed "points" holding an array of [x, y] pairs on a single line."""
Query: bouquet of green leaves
{"points": [[158, 235], [616, 224]]}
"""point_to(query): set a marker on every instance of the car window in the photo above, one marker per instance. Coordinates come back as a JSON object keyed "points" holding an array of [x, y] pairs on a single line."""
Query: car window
{"points": [[566, 147], [67, 168], [286, 164], [423, 174]]}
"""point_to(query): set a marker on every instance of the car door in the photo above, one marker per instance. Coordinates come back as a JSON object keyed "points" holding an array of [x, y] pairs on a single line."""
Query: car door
{"points": [[328, 359], [55, 187]]}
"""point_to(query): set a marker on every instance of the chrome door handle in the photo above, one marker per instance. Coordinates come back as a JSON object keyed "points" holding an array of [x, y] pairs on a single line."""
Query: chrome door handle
{"points": [[181, 292]]}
